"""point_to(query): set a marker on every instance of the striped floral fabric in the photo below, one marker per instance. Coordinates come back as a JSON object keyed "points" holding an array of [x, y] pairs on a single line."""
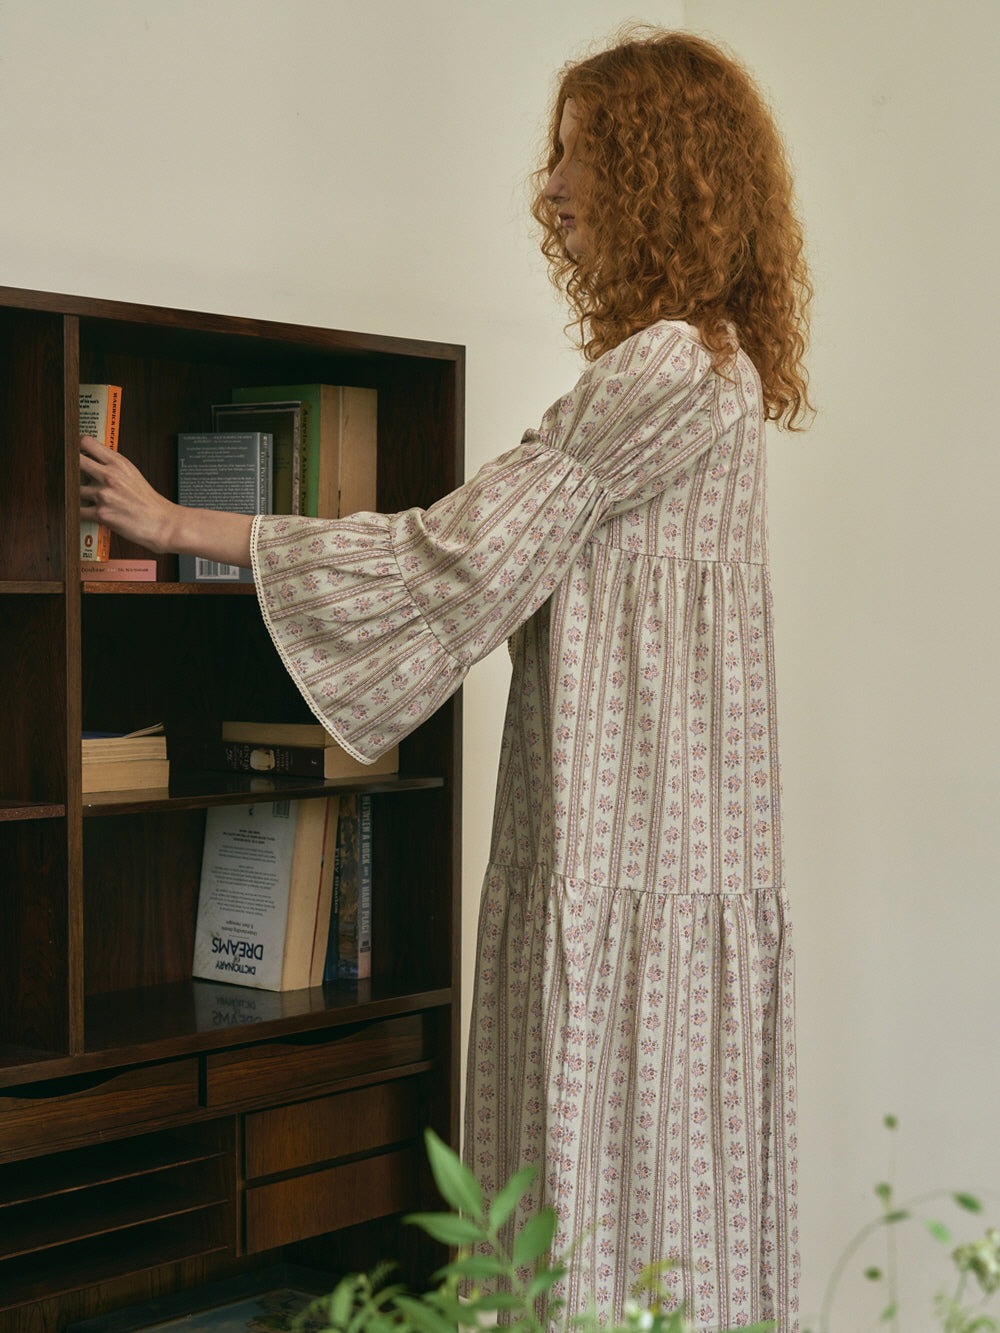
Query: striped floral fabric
{"points": [[632, 1022]]}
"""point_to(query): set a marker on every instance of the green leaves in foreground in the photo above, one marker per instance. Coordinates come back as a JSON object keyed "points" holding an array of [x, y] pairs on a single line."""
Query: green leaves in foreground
{"points": [[471, 1225], [520, 1282], [456, 1183], [520, 1278]]}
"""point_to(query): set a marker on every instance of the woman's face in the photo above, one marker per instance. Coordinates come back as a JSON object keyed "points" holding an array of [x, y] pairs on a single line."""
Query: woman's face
{"points": [[565, 179]]}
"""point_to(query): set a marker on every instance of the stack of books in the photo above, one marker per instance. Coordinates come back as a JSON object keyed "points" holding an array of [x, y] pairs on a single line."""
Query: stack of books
{"points": [[134, 761], [286, 885]]}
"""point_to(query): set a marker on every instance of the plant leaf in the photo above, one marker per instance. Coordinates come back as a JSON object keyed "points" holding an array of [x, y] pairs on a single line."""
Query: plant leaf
{"points": [[544, 1280], [969, 1202], [939, 1231], [900, 1215], [883, 1192], [497, 1300], [447, 1228], [423, 1317], [510, 1196], [890, 1121], [535, 1237], [475, 1266], [873, 1274], [342, 1301], [888, 1314], [457, 1184]]}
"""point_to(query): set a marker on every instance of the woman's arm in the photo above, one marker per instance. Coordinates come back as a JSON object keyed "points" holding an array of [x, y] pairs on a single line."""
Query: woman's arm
{"points": [[115, 492]]}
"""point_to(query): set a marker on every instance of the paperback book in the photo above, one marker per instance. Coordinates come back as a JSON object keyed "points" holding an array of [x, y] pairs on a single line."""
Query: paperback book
{"points": [[132, 761], [265, 895], [100, 415], [227, 470], [352, 893]]}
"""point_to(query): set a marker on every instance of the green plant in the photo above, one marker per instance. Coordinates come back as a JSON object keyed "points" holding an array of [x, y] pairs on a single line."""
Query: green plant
{"points": [[523, 1276], [979, 1259]]}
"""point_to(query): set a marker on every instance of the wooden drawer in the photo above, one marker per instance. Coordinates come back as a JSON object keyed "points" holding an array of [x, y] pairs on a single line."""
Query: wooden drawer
{"points": [[289, 1138], [303, 1206], [44, 1116], [275, 1068]]}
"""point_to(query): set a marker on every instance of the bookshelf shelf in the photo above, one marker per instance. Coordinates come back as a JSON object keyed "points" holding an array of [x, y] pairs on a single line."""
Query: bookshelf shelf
{"points": [[109, 1050], [197, 791], [32, 587], [143, 589], [19, 810]]}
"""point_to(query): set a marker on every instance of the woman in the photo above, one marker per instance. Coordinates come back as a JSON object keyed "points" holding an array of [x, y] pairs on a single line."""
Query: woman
{"points": [[632, 1024]]}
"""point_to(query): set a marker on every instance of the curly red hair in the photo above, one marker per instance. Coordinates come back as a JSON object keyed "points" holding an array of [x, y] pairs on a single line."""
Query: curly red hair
{"points": [[687, 199]]}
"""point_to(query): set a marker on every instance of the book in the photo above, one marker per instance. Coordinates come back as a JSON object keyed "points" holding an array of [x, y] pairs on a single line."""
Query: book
{"points": [[339, 445], [283, 422], [125, 775], [125, 762], [144, 743], [120, 571], [263, 875], [100, 415], [327, 762], [353, 890], [331, 963], [278, 733], [227, 470], [302, 750], [324, 902]]}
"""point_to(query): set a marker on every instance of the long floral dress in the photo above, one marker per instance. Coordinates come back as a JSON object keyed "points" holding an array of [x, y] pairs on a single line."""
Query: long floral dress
{"points": [[632, 1031]]}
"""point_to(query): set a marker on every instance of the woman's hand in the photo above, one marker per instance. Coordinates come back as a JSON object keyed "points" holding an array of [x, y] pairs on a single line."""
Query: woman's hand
{"points": [[114, 491]]}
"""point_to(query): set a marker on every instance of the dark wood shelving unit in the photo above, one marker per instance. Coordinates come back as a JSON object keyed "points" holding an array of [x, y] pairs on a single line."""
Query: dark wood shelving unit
{"points": [[130, 1093]]}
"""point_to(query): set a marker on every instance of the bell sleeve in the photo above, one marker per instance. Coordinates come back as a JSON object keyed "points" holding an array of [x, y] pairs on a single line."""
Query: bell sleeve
{"points": [[378, 617]]}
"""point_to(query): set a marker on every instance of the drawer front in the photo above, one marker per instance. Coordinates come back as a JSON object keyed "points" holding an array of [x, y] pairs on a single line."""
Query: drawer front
{"points": [[278, 1067], [289, 1138], [75, 1109], [342, 1196]]}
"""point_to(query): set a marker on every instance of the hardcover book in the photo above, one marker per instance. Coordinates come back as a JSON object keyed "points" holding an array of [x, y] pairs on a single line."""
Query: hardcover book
{"points": [[227, 470], [263, 874], [283, 422], [339, 445], [299, 750], [100, 414], [329, 762]]}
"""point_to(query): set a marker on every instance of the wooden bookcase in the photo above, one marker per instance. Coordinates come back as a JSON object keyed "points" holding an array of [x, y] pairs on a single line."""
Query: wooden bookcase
{"points": [[158, 1132]]}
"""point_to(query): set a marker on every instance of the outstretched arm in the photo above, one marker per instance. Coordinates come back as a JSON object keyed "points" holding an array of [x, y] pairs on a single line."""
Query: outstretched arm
{"points": [[116, 493]]}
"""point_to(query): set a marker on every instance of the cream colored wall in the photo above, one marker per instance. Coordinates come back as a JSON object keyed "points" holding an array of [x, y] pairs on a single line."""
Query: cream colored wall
{"points": [[885, 545]]}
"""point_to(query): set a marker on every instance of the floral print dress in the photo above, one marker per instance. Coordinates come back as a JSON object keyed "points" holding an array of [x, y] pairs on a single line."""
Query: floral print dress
{"points": [[632, 1030]]}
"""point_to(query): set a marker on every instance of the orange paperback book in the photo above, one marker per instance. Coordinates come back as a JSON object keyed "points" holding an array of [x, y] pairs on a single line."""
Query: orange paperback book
{"points": [[100, 410]]}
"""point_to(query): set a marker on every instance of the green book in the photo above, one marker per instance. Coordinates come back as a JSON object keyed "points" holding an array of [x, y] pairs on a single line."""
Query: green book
{"points": [[338, 444]]}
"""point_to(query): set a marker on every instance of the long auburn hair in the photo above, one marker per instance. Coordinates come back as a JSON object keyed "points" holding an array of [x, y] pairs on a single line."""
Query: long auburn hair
{"points": [[687, 200]]}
